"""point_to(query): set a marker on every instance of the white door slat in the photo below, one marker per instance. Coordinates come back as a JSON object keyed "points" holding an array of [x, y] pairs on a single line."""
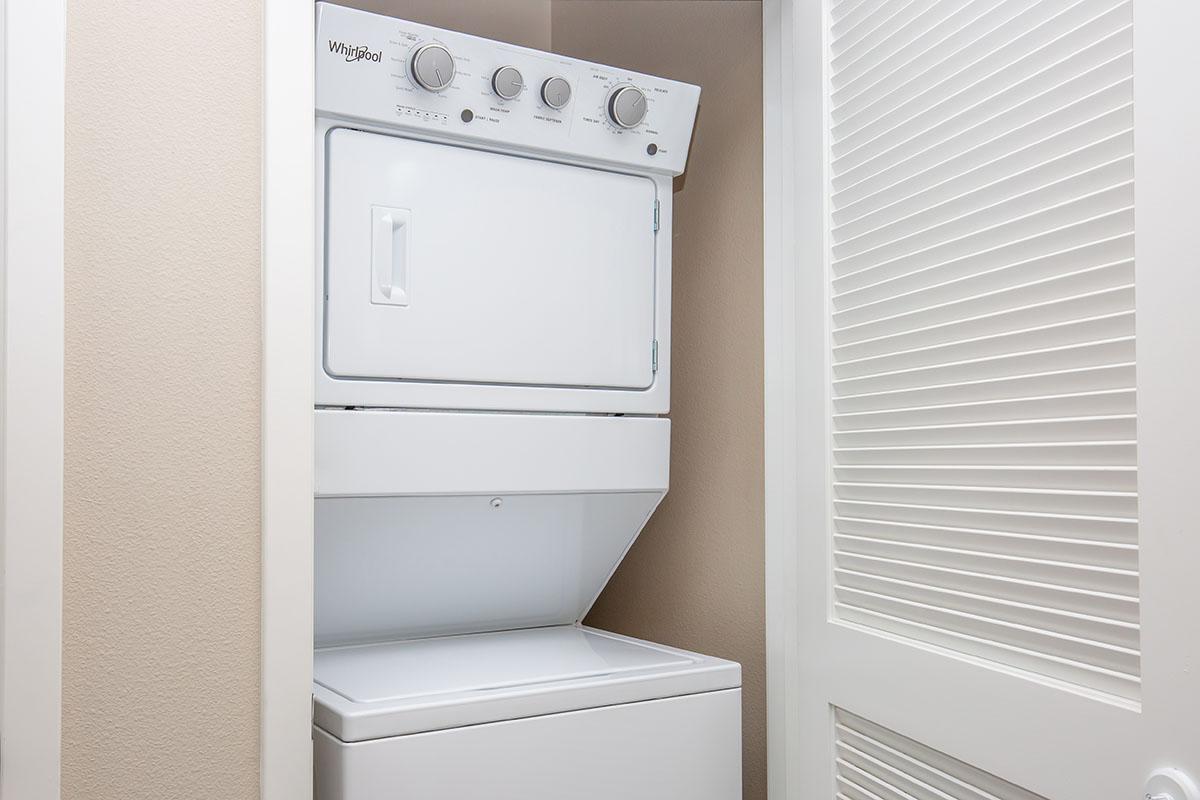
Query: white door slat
{"points": [[888, 44], [1109, 580], [872, 737], [1089, 552], [1082, 429], [953, 43], [990, 316], [1021, 498], [1073, 380], [867, 30], [1085, 651], [1040, 28], [1117, 684], [1105, 631], [1091, 479], [927, 248], [1081, 454], [1099, 287], [1049, 359], [845, 10], [1105, 403], [1016, 70], [1076, 175], [981, 188], [901, 773], [980, 338], [931, 139], [865, 784], [1078, 599], [1007, 154], [1081, 525], [985, 142], [1074, 235]]}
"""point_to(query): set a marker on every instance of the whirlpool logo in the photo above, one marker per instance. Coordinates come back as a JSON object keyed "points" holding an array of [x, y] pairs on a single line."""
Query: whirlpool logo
{"points": [[355, 52]]}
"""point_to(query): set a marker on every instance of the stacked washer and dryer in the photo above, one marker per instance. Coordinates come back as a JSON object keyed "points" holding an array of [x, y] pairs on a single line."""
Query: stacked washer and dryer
{"points": [[492, 364]]}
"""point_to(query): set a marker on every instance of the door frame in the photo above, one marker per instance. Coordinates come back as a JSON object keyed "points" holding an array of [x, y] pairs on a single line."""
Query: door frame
{"points": [[31, 397], [288, 253], [793, 312]]}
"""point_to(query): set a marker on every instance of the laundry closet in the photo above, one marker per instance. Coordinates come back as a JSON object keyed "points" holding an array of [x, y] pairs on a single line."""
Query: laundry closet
{"points": [[529, 279]]}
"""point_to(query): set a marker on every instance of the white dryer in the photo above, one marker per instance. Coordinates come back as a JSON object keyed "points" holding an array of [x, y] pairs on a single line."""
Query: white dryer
{"points": [[491, 360]]}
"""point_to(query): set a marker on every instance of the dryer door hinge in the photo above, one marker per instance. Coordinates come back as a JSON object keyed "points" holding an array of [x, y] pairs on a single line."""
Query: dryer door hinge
{"points": [[654, 356], [656, 216]]}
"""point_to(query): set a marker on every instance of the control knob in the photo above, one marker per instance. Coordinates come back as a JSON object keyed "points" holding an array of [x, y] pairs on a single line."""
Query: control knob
{"points": [[556, 92], [507, 82], [432, 67], [627, 106]]}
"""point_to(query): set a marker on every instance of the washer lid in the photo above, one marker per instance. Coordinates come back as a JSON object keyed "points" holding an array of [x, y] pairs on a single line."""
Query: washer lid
{"points": [[379, 690], [420, 668]]}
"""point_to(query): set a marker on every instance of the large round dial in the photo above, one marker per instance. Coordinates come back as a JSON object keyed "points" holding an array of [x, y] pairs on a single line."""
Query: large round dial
{"points": [[627, 106], [507, 82], [432, 67], [556, 92]]}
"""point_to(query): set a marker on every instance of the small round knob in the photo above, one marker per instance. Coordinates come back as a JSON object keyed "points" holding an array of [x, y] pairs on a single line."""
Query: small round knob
{"points": [[627, 106], [556, 92], [1169, 783], [432, 67], [507, 82]]}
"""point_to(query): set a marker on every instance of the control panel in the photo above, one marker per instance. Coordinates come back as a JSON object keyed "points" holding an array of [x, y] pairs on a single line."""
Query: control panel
{"points": [[440, 83]]}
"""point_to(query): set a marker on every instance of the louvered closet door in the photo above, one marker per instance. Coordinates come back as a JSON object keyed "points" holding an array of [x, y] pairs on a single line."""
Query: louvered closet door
{"points": [[1001, 584]]}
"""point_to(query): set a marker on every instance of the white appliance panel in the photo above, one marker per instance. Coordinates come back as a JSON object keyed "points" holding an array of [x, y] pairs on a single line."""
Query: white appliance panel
{"points": [[411, 670], [377, 691], [364, 72], [364, 453], [447, 264], [401, 567], [679, 747]]}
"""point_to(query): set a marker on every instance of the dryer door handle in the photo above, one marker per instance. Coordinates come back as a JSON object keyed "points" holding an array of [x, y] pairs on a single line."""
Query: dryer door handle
{"points": [[389, 255]]}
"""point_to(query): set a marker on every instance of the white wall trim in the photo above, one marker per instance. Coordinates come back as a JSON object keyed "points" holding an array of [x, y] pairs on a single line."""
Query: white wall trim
{"points": [[779, 392], [31, 400], [793, 319], [287, 400]]}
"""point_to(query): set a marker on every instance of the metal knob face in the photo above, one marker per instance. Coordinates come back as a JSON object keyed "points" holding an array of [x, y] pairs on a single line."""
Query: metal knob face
{"points": [[507, 82], [627, 106], [556, 92], [432, 67]]}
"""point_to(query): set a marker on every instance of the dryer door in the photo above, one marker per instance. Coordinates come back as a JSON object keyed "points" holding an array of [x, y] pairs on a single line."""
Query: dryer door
{"points": [[455, 265]]}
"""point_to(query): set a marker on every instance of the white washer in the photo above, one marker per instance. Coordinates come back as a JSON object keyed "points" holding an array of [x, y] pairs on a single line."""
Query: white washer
{"points": [[493, 349]]}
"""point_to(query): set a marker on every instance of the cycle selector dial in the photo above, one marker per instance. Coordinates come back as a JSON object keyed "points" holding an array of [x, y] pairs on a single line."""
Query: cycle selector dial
{"points": [[432, 67], [556, 92], [507, 82], [627, 106]]}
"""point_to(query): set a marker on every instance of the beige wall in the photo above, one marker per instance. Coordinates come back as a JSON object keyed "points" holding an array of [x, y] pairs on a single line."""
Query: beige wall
{"points": [[523, 22], [695, 576], [161, 539]]}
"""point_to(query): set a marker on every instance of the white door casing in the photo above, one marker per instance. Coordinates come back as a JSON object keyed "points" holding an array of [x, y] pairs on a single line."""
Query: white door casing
{"points": [[31, 398], [992, 536]]}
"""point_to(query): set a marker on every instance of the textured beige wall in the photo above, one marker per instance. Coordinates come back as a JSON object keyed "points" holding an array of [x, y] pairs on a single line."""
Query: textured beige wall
{"points": [[695, 576], [161, 539], [522, 22]]}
